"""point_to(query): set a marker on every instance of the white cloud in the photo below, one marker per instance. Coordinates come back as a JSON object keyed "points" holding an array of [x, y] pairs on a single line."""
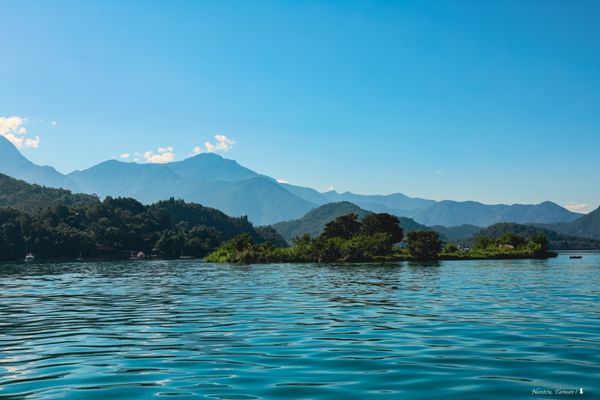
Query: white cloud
{"points": [[167, 149], [124, 155], [11, 124], [13, 128], [163, 155], [330, 188], [578, 207], [223, 144], [53, 123], [35, 143], [282, 181], [196, 150]]}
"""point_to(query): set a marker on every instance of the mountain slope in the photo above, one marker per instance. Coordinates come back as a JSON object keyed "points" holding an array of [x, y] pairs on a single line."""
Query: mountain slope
{"points": [[454, 213], [396, 203], [314, 221], [145, 182], [454, 233], [306, 193], [211, 167], [587, 225], [14, 164], [557, 241], [261, 198], [27, 197]]}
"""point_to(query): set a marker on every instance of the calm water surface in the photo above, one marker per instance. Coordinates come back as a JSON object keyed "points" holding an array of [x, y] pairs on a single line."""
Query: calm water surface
{"points": [[191, 330]]}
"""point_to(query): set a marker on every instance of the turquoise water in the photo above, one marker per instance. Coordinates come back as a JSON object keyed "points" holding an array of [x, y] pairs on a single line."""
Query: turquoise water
{"points": [[191, 330]]}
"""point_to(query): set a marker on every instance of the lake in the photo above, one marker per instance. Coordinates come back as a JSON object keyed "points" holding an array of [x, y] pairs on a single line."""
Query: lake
{"points": [[192, 330]]}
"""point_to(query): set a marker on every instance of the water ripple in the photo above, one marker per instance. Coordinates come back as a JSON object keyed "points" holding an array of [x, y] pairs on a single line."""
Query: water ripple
{"points": [[191, 330]]}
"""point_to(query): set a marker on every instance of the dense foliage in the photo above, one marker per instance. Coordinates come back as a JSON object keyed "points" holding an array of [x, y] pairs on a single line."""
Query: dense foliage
{"points": [[424, 245], [346, 239], [508, 245], [555, 240], [26, 197], [118, 226], [343, 239]]}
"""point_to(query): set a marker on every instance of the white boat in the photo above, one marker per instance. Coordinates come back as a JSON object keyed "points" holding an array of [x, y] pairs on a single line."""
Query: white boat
{"points": [[139, 256], [29, 258]]}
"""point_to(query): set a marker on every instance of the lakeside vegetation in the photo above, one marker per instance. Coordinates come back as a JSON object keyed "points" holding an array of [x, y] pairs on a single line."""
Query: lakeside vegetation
{"points": [[377, 237], [116, 227]]}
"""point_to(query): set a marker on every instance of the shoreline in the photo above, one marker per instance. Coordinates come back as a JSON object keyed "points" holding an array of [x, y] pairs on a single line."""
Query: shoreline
{"points": [[444, 257]]}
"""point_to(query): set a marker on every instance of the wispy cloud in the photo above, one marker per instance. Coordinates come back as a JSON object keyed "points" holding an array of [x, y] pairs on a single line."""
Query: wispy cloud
{"points": [[196, 150], [163, 155], [223, 143], [578, 207], [13, 128], [124, 156], [282, 181], [330, 188], [53, 123]]}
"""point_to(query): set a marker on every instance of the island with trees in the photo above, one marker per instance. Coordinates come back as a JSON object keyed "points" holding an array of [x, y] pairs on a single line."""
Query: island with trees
{"points": [[377, 237]]}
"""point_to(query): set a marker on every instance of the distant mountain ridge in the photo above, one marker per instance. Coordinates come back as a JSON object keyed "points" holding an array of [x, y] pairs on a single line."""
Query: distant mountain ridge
{"points": [[224, 184], [587, 226], [314, 221], [14, 164], [241, 192], [454, 213]]}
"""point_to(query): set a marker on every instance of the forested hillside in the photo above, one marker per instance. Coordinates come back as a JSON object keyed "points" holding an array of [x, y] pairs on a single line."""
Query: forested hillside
{"points": [[118, 226], [27, 197]]}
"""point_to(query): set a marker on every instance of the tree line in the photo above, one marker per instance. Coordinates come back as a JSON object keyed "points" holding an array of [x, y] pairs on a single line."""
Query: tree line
{"points": [[116, 227], [377, 237]]}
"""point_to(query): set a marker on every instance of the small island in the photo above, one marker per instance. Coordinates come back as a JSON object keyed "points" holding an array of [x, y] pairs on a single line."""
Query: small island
{"points": [[378, 237]]}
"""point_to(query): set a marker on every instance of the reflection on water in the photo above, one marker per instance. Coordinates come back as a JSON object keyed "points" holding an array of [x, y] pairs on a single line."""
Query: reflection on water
{"points": [[472, 329]]}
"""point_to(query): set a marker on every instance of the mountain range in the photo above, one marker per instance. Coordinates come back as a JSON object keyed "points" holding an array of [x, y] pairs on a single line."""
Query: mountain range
{"points": [[214, 181], [314, 221], [33, 198], [588, 226]]}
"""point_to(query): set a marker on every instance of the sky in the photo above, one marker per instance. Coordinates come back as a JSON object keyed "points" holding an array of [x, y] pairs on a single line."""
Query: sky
{"points": [[494, 101]]}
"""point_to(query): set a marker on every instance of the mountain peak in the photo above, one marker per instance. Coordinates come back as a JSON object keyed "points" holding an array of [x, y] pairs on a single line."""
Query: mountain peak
{"points": [[204, 156], [14, 164], [8, 151]]}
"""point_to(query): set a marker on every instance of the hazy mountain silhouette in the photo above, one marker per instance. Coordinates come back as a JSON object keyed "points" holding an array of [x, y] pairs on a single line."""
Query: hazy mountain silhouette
{"points": [[14, 164], [236, 190]]}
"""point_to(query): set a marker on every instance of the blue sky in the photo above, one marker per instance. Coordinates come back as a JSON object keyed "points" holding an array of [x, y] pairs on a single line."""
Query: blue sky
{"points": [[494, 101]]}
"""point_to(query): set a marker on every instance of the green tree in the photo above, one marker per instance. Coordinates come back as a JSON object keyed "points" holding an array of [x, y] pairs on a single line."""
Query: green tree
{"points": [[451, 248], [424, 245], [539, 242], [512, 239], [482, 242], [383, 223], [343, 227]]}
